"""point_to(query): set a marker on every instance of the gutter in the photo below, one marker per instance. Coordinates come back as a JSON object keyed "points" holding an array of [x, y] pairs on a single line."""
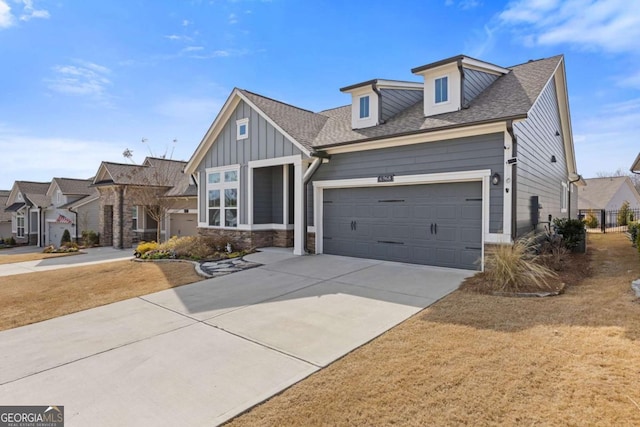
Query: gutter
{"points": [[423, 131], [75, 222], [317, 161], [579, 178], [514, 182]]}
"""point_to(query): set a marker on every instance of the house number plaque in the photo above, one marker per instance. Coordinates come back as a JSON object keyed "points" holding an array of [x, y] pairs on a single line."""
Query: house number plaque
{"points": [[385, 178]]}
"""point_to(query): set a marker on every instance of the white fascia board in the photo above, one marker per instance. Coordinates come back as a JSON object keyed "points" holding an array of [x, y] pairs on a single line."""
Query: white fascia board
{"points": [[84, 202], [483, 66], [394, 84], [274, 124], [635, 166], [296, 159], [419, 138], [212, 133], [50, 190]]}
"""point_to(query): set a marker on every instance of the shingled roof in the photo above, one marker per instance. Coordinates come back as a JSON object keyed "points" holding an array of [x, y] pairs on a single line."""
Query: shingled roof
{"points": [[599, 191], [4, 196], [154, 172], [511, 96], [75, 187], [34, 193]]}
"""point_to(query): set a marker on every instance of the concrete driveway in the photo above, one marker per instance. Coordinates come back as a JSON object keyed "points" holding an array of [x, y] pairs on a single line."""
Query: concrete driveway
{"points": [[203, 353]]}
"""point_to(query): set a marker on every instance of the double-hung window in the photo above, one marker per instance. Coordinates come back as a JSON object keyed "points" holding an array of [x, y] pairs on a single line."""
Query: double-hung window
{"points": [[134, 218], [20, 224], [222, 197], [564, 198], [442, 90], [364, 107]]}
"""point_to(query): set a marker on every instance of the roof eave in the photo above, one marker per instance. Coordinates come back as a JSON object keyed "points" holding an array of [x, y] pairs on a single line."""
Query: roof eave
{"points": [[422, 131]]}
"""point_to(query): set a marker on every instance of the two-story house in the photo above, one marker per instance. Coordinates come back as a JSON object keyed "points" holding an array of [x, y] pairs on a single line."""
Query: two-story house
{"points": [[422, 172]]}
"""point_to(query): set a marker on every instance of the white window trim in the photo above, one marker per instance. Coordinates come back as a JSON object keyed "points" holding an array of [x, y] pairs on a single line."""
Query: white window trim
{"points": [[448, 90], [239, 123], [222, 186], [137, 217], [483, 176], [24, 224], [564, 198], [368, 116]]}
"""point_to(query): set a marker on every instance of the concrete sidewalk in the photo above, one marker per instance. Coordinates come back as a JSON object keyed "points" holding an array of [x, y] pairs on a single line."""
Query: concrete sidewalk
{"points": [[202, 353], [87, 257]]}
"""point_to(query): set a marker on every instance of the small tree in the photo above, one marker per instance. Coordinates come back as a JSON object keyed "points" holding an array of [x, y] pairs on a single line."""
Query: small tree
{"points": [[590, 220], [66, 237], [624, 214]]}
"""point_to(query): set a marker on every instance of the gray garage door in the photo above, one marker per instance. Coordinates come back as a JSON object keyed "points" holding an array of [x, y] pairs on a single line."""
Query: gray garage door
{"points": [[436, 224], [183, 224]]}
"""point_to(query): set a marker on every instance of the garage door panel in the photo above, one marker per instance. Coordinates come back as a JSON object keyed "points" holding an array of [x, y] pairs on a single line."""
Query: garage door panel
{"points": [[430, 224]]}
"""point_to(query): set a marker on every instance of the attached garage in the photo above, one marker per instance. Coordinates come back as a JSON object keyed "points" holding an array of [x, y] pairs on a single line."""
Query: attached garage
{"points": [[438, 223], [183, 224], [56, 230]]}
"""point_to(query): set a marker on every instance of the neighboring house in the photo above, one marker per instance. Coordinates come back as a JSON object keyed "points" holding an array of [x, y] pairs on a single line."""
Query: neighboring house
{"points": [[425, 173], [128, 193], [73, 207], [608, 194], [26, 203], [5, 217]]}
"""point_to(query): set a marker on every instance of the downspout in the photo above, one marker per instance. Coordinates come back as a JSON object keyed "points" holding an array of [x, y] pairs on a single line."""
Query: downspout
{"points": [[461, 70], [319, 157], [569, 195], [514, 181], [374, 86]]}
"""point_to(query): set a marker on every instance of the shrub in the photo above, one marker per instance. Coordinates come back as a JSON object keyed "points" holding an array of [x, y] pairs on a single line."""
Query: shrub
{"points": [[591, 221], [637, 241], [145, 247], [90, 238], [510, 268], [553, 251], [12, 241], [625, 215], [66, 237], [572, 231], [633, 232]]}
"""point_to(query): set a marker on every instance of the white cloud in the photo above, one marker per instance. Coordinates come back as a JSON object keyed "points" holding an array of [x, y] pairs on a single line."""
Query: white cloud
{"points": [[176, 37], [464, 4], [42, 160], [193, 48], [83, 79], [31, 12], [233, 19], [190, 110], [607, 140], [186, 22], [6, 18], [607, 25]]}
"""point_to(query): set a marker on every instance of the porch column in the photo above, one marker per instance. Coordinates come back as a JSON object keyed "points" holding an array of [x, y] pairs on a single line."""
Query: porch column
{"points": [[299, 234]]}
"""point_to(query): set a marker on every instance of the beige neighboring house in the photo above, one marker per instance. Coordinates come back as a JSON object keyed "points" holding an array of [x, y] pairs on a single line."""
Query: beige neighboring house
{"points": [[608, 194], [74, 207], [5, 217], [26, 203], [128, 193]]}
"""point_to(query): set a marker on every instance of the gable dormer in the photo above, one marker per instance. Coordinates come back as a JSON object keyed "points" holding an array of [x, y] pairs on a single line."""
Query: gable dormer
{"points": [[451, 84], [374, 101]]}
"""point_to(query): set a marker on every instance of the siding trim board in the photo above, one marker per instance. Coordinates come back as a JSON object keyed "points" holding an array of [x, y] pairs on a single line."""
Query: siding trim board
{"points": [[435, 178]]}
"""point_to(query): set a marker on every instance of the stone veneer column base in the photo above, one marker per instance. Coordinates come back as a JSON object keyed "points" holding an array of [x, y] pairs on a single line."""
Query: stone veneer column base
{"points": [[247, 239]]}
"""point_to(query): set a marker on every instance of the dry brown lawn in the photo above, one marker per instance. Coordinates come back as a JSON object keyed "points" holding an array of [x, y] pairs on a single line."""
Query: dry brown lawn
{"points": [[474, 359], [10, 259], [33, 297]]}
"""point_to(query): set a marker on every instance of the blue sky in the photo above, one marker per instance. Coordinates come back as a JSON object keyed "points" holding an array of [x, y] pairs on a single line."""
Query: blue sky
{"points": [[81, 81]]}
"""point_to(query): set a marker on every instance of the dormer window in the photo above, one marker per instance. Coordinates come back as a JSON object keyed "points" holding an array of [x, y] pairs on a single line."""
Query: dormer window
{"points": [[442, 90], [242, 129], [364, 107]]}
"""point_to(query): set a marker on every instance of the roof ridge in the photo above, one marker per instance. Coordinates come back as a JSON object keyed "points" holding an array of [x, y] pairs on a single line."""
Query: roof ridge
{"points": [[278, 101], [334, 108], [534, 60]]}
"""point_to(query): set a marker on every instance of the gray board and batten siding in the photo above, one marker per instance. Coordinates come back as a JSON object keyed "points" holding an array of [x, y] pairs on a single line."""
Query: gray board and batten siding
{"points": [[397, 100], [475, 82], [264, 142], [464, 154], [536, 174]]}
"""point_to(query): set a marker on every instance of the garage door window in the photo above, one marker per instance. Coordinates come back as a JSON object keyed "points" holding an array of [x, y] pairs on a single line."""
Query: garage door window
{"points": [[222, 197]]}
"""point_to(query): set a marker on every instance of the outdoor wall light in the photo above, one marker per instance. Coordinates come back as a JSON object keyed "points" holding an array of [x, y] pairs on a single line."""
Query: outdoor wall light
{"points": [[557, 133], [553, 159], [495, 178]]}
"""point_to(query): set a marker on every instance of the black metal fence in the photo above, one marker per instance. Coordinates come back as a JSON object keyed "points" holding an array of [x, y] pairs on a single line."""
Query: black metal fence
{"points": [[605, 221]]}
